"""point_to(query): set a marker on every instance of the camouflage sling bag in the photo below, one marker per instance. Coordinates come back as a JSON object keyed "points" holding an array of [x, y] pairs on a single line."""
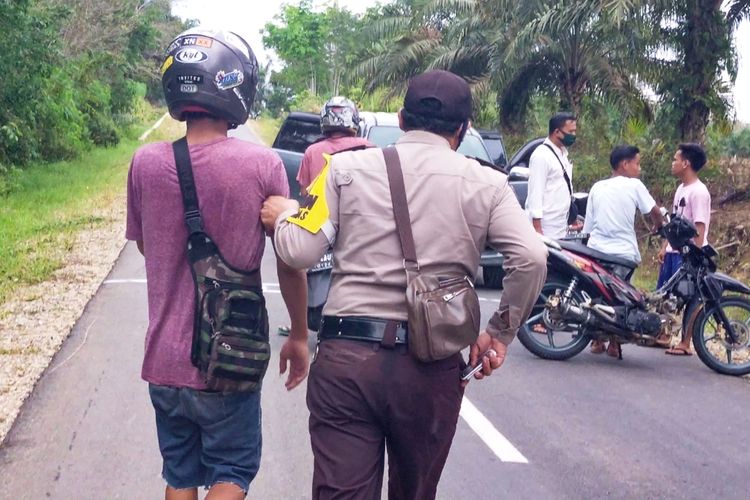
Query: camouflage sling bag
{"points": [[230, 332]]}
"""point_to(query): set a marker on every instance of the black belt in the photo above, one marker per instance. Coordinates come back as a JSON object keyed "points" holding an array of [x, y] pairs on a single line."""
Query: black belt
{"points": [[361, 328]]}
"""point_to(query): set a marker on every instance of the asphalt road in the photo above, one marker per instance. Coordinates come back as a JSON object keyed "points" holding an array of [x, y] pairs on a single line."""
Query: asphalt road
{"points": [[649, 426]]}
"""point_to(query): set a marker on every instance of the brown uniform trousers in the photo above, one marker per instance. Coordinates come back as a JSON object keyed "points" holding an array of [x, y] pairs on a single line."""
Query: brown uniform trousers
{"points": [[362, 395]]}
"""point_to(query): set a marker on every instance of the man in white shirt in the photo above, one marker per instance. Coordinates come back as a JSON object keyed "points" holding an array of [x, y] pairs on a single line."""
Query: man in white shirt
{"points": [[550, 174], [611, 211]]}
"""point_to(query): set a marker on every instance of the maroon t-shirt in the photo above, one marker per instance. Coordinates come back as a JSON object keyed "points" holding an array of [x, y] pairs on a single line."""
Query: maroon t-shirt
{"points": [[232, 178]]}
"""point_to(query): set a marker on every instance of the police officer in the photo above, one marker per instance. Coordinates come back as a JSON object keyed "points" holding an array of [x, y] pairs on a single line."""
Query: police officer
{"points": [[364, 393]]}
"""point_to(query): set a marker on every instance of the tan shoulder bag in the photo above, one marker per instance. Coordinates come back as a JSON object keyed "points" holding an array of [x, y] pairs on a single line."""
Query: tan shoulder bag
{"points": [[444, 313]]}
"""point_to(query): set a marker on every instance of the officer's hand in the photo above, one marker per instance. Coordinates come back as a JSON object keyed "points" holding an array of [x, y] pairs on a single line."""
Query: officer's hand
{"points": [[273, 207], [491, 361], [662, 255], [296, 354]]}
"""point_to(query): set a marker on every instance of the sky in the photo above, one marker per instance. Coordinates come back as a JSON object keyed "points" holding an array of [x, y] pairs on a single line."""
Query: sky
{"points": [[247, 18]]}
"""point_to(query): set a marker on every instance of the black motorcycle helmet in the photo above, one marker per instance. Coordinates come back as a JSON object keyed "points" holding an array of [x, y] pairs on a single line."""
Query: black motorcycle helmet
{"points": [[213, 72], [679, 231]]}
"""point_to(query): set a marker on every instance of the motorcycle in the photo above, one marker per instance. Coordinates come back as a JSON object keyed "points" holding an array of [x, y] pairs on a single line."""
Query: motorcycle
{"points": [[587, 296]]}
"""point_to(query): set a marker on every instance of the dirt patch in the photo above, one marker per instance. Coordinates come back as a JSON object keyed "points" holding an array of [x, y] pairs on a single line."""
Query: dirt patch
{"points": [[34, 324]]}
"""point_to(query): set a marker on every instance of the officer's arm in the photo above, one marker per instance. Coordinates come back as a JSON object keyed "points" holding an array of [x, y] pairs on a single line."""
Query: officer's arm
{"points": [[299, 245], [525, 263]]}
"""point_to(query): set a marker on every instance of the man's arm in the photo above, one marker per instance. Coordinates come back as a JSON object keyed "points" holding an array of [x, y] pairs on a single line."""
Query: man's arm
{"points": [[525, 264], [525, 271], [656, 218], [293, 286], [535, 194], [700, 240]]}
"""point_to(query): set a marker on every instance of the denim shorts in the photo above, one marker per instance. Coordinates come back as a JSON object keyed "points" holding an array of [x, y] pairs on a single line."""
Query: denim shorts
{"points": [[207, 437]]}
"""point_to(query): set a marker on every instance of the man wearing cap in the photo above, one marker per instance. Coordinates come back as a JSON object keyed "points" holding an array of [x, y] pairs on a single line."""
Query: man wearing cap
{"points": [[365, 390]]}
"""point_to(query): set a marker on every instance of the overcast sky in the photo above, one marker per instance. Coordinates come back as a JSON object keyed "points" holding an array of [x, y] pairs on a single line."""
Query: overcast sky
{"points": [[247, 18]]}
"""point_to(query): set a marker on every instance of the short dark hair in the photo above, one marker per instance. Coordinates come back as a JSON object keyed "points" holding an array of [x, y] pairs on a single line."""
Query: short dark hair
{"points": [[559, 119], [622, 153], [694, 154], [413, 121]]}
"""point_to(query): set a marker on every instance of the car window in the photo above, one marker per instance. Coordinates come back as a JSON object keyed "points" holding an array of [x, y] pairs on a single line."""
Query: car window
{"points": [[472, 146], [496, 150], [297, 135], [383, 136]]}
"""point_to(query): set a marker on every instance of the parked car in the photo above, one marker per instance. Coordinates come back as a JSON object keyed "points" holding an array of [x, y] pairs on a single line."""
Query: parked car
{"points": [[300, 129], [493, 141]]}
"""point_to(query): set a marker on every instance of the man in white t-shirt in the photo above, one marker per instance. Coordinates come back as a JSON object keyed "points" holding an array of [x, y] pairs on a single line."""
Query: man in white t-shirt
{"points": [[611, 211]]}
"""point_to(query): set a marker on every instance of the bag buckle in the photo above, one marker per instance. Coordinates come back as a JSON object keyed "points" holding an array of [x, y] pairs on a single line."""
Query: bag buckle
{"points": [[194, 221]]}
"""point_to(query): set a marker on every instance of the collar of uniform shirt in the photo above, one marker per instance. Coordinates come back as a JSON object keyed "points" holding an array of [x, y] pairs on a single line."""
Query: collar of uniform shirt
{"points": [[423, 137]]}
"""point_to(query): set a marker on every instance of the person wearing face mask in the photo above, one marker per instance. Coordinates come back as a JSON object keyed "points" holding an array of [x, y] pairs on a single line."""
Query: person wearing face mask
{"points": [[550, 172]]}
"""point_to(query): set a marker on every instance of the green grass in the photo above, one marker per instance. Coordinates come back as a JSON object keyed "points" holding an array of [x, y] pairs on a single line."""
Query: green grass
{"points": [[48, 204], [266, 128]]}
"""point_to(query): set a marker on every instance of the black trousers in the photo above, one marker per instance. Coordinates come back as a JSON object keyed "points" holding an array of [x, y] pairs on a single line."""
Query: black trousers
{"points": [[363, 397]]}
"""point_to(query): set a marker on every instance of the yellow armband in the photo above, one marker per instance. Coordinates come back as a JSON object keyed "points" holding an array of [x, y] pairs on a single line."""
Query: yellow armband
{"points": [[313, 211]]}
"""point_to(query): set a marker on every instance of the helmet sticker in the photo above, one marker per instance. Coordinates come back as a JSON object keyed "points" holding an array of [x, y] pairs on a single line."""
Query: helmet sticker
{"points": [[190, 79], [197, 40], [167, 63], [226, 81], [188, 88], [191, 56]]}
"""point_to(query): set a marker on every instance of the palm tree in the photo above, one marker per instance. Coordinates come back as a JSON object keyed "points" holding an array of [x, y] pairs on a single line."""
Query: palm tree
{"points": [[569, 49], [698, 33]]}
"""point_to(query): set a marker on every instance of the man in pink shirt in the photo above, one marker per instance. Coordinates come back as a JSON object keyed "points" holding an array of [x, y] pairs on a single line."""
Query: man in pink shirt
{"points": [[206, 438], [339, 122], [692, 201]]}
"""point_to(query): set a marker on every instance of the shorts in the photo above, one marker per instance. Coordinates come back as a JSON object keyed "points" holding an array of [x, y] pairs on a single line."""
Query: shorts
{"points": [[672, 263], [207, 437]]}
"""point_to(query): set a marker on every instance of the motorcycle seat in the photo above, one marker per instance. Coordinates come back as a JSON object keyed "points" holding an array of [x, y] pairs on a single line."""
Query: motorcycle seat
{"points": [[579, 248]]}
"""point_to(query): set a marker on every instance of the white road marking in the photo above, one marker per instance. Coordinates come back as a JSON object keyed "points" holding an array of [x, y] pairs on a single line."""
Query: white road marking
{"points": [[154, 127], [487, 432], [482, 299]]}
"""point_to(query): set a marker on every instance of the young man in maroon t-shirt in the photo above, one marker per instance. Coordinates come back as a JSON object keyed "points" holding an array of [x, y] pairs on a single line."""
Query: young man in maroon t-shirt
{"points": [[206, 438]]}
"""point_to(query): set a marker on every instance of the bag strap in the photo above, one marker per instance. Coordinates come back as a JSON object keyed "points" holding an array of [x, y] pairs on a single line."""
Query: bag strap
{"points": [[565, 172], [193, 218], [400, 207]]}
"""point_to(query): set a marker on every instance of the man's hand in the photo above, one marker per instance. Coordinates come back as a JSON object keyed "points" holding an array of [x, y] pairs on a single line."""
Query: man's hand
{"points": [[296, 354], [273, 207], [662, 255], [576, 226], [537, 223], [489, 362]]}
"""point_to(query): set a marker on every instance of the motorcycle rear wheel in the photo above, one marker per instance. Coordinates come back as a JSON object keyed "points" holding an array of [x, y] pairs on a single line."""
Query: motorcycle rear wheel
{"points": [[534, 331], [712, 344]]}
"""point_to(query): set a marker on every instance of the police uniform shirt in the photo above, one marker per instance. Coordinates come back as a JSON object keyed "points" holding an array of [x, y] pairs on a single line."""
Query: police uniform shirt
{"points": [[456, 207]]}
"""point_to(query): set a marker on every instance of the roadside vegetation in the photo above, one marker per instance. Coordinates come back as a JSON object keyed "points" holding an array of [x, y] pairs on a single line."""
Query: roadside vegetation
{"points": [[47, 204], [79, 82]]}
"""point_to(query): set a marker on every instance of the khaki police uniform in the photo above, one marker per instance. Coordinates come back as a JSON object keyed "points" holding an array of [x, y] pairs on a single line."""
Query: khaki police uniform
{"points": [[361, 393]]}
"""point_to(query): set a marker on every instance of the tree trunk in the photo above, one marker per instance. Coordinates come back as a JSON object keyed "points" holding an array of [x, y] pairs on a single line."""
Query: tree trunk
{"points": [[704, 42]]}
